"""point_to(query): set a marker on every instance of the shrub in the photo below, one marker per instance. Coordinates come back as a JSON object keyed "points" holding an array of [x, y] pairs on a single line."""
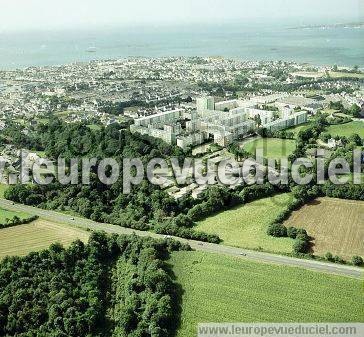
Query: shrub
{"points": [[277, 230], [300, 246], [292, 232], [357, 261], [303, 237], [283, 216], [169, 228], [338, 259], [302, 231], [329, 257], [15, 221]]}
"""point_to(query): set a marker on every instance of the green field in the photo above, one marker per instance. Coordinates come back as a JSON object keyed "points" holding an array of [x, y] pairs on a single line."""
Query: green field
{"points": [[231, 289], [272, 147], [40, 234], [346, 130], [339, 74], [5, 214], [246, 226]]}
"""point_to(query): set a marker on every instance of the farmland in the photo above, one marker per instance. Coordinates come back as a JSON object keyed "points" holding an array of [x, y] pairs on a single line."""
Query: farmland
{"points": [[341, 74], [23, 239], [272, 147], [337, 226], [245, 226], [309, 74], [5, 214], [332, 74], [231, 289], [346, 130]]}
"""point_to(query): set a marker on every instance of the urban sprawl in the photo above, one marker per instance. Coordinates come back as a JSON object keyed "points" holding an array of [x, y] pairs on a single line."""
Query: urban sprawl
{"points": [[202, 105]]}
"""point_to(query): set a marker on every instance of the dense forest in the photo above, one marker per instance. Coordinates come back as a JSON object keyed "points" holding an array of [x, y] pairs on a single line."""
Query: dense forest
{"points": [[112, 286], [97, 201]]}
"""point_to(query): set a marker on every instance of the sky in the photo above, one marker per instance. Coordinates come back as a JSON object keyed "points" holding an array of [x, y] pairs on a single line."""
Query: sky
{"points": [[49, 14]]}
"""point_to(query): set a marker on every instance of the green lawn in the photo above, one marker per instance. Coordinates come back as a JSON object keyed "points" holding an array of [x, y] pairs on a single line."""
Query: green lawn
{"points": [[40, 154], [299, 128], [246, 226], [272, 147], [94, 127], [329, 111], [43, 120], [218, 288], [340, 114], [346, 130], [3, 188], [4, 214]]}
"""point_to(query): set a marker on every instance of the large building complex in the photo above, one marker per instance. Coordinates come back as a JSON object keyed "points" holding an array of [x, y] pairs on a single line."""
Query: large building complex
{"points": [[221, 122]]}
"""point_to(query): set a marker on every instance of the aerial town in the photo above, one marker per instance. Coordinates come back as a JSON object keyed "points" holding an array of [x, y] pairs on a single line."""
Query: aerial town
{"points": [[201, 105], [130, 89], [182, 168], [186, 102]]}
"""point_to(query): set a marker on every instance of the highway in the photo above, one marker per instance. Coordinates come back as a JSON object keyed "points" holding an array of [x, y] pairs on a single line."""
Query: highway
{"points": [[87, 224]]}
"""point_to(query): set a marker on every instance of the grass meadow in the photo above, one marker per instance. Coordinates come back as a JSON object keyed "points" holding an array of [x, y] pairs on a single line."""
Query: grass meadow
{"points": [[246, 226], [346, 130], [274, 148], [231, 289], [5, 214], [298, 128]]}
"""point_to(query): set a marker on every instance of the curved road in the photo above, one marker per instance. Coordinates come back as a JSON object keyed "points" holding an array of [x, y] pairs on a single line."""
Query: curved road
{"points": [[201, 246]]}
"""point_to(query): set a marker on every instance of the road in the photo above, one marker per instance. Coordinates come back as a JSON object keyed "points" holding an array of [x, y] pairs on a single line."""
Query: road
{"points": [[200, 246]]}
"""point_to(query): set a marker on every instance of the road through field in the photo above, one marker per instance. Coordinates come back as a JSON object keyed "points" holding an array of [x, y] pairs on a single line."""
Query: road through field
{"points": [[201, 246]]}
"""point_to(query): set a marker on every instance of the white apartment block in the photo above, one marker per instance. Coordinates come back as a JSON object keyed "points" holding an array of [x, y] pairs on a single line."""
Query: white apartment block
{"points": [[205, 103], [222, 122], [190, 140], [290, 121], [266, 116], [164, 117]]}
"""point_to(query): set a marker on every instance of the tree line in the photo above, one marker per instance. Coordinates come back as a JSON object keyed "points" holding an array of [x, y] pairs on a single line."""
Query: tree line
{"points": [[15, 221]]}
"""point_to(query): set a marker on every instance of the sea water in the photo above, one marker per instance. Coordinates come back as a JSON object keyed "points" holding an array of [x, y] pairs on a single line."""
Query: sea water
{"points": [[341, 45]]}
